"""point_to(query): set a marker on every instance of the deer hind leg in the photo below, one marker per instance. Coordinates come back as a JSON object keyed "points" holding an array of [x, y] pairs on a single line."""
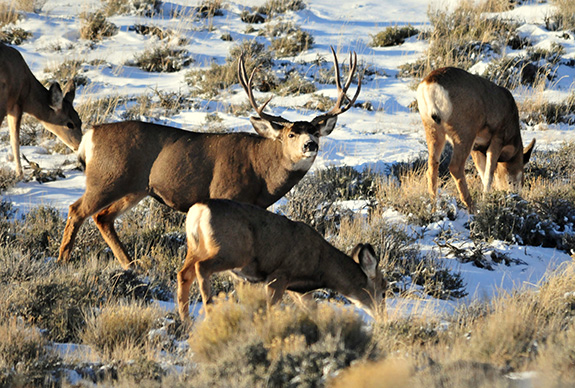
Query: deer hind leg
{"points": [[77, 214], [186, 277], [461, 152], [435, 144], [104, 220], [205, 269], [14, 121]]}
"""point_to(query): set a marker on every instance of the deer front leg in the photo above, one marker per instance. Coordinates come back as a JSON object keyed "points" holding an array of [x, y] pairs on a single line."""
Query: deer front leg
{"points": [[104, 220], [276, 288], [457, 170], [491, 158], [14, 121], [435, 144]]}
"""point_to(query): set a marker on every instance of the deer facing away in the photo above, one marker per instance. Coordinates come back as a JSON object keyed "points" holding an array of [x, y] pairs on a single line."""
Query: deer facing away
{"points": [[260, 246], [128, 161], [21, 92], [479, 118]]}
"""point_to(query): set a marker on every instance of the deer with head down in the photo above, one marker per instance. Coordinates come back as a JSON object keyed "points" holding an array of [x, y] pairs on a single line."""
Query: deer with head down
{"points": [[21, 92], [260, 246], [479, 118], [128, 161]]}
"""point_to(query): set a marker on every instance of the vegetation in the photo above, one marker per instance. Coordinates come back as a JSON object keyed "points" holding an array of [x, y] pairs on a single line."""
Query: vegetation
{"points": [[95, 26], [393, 36]]}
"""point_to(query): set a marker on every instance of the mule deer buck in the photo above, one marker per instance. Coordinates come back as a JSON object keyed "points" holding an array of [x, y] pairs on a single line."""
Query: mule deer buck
{"points": [[260, 246], [128, 161], [479, 118], [21, 92]]}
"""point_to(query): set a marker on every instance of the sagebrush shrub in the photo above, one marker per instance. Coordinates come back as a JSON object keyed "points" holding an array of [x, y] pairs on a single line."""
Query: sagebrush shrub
{"points": [[163, 58], [119, 325], [95, 26], [393, 36]]}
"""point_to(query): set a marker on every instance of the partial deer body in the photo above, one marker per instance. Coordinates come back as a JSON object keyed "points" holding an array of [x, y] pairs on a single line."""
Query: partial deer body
{"points": [[21, 92], [260, 246], [479, 118], [128, 161]]}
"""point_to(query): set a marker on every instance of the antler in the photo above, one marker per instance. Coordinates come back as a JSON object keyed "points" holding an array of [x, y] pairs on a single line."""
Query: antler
{"points": [[247, 85], [342, 96]]}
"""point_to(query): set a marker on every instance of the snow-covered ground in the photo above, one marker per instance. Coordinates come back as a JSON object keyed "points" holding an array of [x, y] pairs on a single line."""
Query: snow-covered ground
{"points": [[390, 133]]}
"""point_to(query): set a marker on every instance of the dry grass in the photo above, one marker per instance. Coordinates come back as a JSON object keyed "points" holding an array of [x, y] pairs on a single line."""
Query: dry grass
{"points": [[462, 37], [120, 330]]}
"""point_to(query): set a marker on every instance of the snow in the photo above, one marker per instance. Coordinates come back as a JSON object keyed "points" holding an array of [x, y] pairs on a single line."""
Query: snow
{"points": [[363, 139]]}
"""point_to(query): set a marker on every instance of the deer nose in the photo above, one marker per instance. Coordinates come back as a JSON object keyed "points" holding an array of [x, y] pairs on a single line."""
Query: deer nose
{"points": [[310, 146]]}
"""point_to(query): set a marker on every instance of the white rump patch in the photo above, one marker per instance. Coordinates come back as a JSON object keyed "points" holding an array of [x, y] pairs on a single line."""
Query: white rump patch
{"points": [[433, 99], [86, 149]]}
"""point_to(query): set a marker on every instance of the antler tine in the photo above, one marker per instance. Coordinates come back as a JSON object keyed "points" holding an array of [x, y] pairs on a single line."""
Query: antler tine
{"points": [[247, 85], [337, 109]]}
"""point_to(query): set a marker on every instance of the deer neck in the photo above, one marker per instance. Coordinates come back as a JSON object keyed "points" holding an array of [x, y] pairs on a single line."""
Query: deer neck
{"points": [[37, 102], [344, 275], [275, 170]]}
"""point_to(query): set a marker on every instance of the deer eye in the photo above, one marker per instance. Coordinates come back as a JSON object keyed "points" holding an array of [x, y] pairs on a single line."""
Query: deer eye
{"points": [[291, 135], [70, 125]]}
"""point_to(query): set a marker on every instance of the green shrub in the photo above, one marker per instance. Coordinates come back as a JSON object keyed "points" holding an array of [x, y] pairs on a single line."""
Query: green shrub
{"points": [[393, 36]]}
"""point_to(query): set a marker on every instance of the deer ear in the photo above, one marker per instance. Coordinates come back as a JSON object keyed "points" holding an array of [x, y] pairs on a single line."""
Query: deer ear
{"points": [[56, 96], [266, 128], [70, 91], [527, 151], [367, 259], [325, 125]]}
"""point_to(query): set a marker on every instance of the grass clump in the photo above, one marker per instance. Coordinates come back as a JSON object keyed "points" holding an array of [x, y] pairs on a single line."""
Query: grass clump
{"points": [[210, 8], [461, 38], [14, 35], [95, 26], [147, 8], [163, 58], [244, 343], [120, 327], [24, 356], [393, 36], [209, 82], [563, 17], [288, 39], [277, 7], [8, 13], [67, 71], [8, 178]]}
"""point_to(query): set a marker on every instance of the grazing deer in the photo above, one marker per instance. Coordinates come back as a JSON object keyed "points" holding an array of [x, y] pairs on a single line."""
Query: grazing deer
{"points": [[260, 246], [128, 161], [479, 118], [21, 92]]}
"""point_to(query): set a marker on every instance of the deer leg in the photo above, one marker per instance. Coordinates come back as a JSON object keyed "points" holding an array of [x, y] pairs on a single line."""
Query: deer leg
{"points": [[435, 144], [479, 160], [14, 121], [186, 277], [205, 268], [276, 288], [492, 156], [457, 169], [104, 220]]}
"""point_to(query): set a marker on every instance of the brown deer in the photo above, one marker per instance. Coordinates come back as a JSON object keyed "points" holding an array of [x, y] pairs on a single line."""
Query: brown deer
{"points": [[260, 246], [128, 161], [21, 92], [479, 118]]}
